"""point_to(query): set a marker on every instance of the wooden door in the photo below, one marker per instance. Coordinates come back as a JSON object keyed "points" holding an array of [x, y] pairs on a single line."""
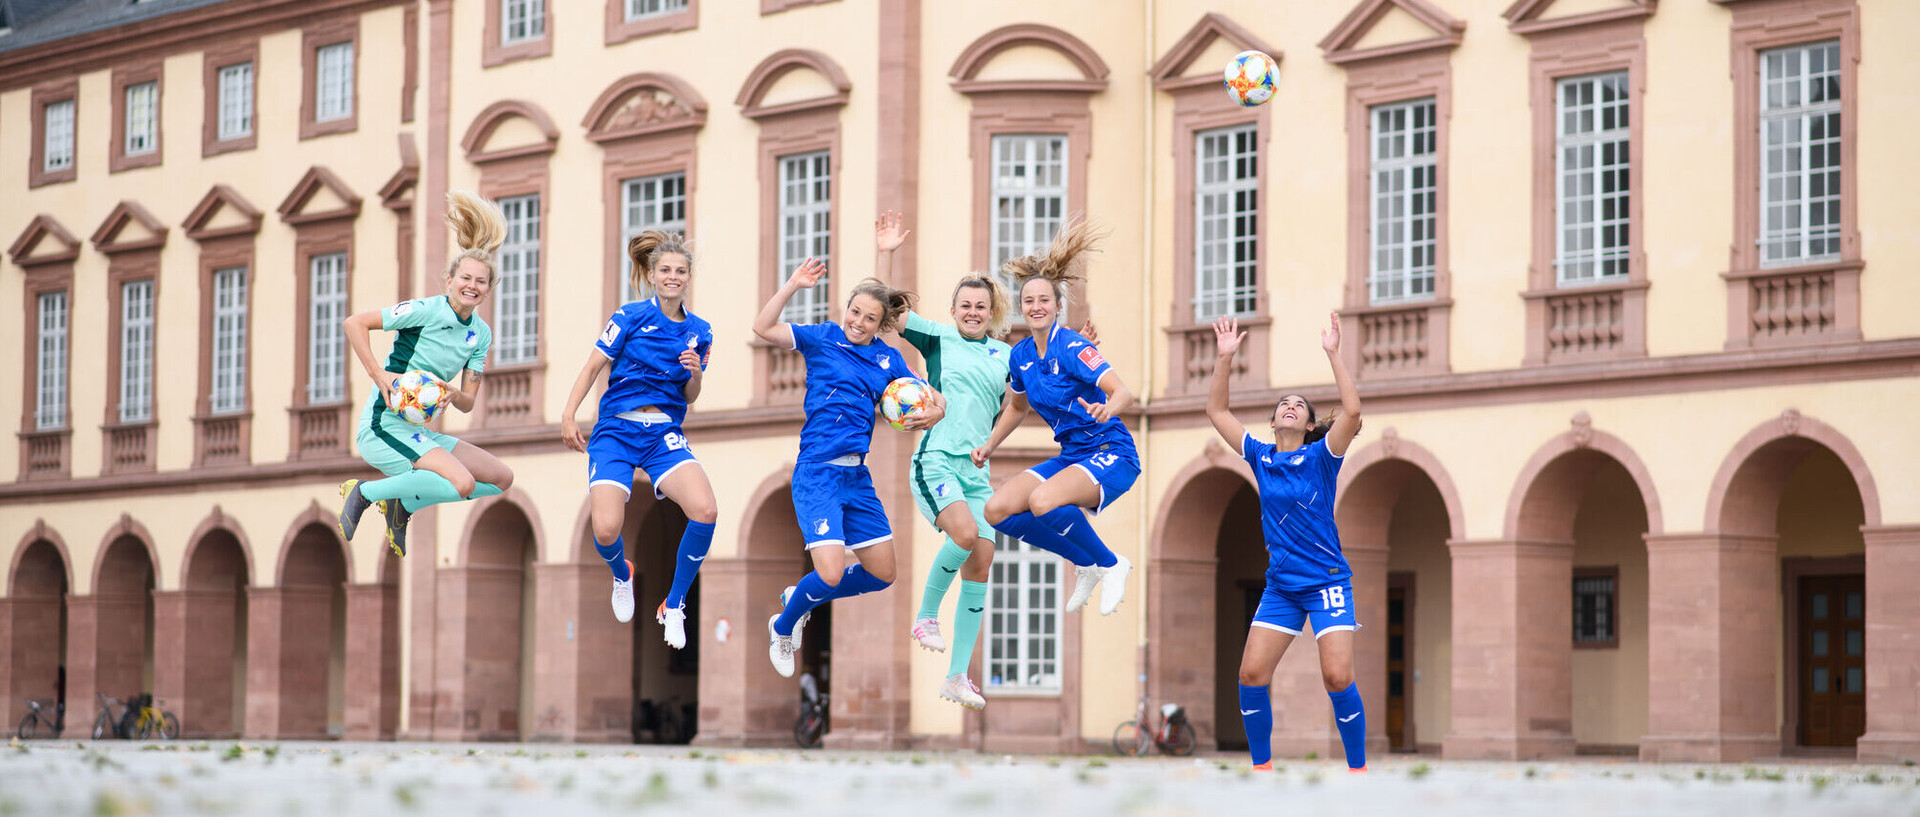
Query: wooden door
{"points": [[1833, 665], [1399, 651]]}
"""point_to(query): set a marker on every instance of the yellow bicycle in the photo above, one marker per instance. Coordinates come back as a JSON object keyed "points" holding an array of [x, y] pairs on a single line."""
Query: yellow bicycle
{"points": [[151, 721]]}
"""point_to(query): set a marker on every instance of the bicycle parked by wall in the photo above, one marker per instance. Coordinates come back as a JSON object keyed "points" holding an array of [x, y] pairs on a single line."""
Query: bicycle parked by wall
{"points": [[1174, 736], [40, 720], [812, 723], [141, 718]]}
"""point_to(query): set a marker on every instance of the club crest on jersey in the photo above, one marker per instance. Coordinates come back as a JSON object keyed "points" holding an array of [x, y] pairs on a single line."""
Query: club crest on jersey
{"points": [[820, 526], [1091, 357], [940, 490], [1297, 459], [473, 337], [885, 361], [1053, 367], [417, 438]]}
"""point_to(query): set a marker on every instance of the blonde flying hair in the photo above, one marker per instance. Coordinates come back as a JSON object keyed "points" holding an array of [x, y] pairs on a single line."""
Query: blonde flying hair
{"points": [[478, 229], [896, 302], [997, 308], [646, 248], [1057, 264]]}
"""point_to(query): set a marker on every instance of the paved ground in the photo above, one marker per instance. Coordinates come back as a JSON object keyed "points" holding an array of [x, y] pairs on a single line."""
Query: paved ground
{"points": [[545, 780]]}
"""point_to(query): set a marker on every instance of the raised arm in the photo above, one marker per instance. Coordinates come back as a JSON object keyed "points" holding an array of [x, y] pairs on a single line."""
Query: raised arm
{"points": [[1013, 411], [767, 325], [1348, 423], [569, 428], [887, 237], [1227, 336], [359, 330]]}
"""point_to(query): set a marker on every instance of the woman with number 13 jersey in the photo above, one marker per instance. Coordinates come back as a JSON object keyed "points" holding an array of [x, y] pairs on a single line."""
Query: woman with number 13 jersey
{"points": [[658, 350]]}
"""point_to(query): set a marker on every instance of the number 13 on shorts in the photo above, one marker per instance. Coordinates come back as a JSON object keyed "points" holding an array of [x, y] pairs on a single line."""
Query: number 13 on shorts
{"points": [[1333, 598]]}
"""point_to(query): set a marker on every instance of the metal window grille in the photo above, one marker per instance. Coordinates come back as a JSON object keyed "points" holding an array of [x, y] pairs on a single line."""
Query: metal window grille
{"points": [[1594, 617]]}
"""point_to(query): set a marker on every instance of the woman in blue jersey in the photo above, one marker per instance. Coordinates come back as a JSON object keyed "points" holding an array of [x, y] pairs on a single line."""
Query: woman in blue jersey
{"points": [[967, 362], [1307, 575], [659, 352], [440, 335], [840, 516], [1059, 373]]}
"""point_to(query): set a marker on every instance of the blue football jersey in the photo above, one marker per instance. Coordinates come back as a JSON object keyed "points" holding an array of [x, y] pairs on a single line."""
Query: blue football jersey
{"points": [[1055, 383], [1296, 513], [645, 347], [844, 384]]}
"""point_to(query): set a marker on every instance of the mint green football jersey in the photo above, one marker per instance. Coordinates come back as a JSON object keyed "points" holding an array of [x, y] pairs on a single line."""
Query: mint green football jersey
{"points": [[431, 337], [971, 374]]}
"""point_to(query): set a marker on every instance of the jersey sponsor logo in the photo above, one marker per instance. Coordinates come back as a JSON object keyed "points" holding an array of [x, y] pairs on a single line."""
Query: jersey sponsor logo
{"points": [[1091, 357], [402, 308], [674, 440], [610, 334], [1297, 459], [820, 527]]}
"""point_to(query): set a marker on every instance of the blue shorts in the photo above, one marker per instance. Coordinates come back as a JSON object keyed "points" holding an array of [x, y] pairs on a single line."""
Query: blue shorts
{"points": [[836, 506], [621, 446], [1330, 608], [1113, 470]]}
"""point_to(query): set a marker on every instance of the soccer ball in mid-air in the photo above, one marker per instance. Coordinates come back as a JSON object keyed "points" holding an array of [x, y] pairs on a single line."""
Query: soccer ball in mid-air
{"points": [[1250, 78], [904, 398], [418, 397]]}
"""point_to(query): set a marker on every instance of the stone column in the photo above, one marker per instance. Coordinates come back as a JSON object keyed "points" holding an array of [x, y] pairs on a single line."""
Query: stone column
{"points": [[373, 661], [1512, 650], [193, 659], [1369, 563], [289, 652], [1893, 646], [743, 702], [477, 654], [584, 670], [30, 652], [1713, 604], [1180, 638]]}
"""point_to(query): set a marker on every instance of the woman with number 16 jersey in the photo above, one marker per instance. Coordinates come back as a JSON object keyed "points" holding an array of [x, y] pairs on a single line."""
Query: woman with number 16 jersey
{"points": [[658, 349]]}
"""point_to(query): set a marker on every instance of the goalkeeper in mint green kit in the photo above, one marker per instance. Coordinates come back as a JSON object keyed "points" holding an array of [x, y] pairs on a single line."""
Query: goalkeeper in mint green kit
{"points": [[442, 336], [967, 364]]}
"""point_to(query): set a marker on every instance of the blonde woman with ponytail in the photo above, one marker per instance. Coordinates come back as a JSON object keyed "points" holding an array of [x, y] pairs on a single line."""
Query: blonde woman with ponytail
{"points": [[966, 361], [658, 350], [1061, 374], [443, 336], [840, 515]]}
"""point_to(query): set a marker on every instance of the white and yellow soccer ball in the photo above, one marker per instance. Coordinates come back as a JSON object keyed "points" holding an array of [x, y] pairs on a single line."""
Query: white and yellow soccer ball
{"points": [[904, 398], [1251, 77], [418, 397]]}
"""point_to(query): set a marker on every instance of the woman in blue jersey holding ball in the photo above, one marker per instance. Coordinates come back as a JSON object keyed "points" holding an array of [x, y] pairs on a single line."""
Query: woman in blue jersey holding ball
{"points": [[1059, 373], [840, 516], [1308, 579], [658, 350], [444, 337]]}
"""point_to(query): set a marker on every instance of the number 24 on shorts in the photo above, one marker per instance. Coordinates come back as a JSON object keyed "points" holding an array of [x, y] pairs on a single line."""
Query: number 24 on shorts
{"points": [[1333, 598]]}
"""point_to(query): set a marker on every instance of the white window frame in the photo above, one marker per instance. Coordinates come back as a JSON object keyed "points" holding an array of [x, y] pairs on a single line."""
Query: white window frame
{"points": [[522, 21], [1403, 194], [229, 394], [236, 101], [142, 118], [136, 351], [326, 341], [333, 82], [57, 149], [657, 202], [50, 411], [517, 283], [1226, 194], [1592, 163], [1024, 624], [1801, 116], [1028, 195], [806, 229], [643, 9]]}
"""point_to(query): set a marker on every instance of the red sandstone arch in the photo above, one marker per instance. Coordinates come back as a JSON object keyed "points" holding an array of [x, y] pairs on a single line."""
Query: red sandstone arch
{"points": [[34, 620], [640, 503], [17, 583], [129, 529], [1551, 484], [743, 701], [1747, 489], [474, 143], [975, 58], [313, 516], [1362, 507], [217, 522], [483, 657], [769, 527], [779, 64], [202, 632], [519, 500]]}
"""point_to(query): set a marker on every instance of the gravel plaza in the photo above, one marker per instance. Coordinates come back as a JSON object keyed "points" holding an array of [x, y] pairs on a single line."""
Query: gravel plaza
{"points": [[227, 778]]}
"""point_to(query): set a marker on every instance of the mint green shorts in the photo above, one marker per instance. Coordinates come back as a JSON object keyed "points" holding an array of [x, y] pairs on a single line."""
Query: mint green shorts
{"points": [[941, 479], [392, 444]]}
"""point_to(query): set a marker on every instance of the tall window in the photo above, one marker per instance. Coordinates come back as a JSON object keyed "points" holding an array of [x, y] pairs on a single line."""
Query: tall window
{"points": [[1029, 195], [136, 351], [1403, 182], [1591, 142], [1225, 203], [229, 340], [334, 91], [637, 9], [649, 203], [806, 212], [59, 136], [1023, 618], [236, 100], [142, 126], [326, 345], [51, 411], [1595, 602], [517, 304], [525, 20], [1800, 154]]}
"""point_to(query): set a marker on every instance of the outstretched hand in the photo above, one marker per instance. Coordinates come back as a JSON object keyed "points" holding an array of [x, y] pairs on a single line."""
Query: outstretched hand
{"points": [[808, 273], [1330, 336], [1227, 335], [887, 233]]}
